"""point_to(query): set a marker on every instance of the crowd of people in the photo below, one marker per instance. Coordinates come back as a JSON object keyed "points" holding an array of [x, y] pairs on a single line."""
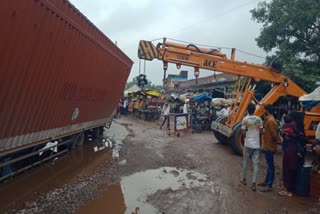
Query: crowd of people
{"points": [[202, 113], [263, 137], [135, 104]]}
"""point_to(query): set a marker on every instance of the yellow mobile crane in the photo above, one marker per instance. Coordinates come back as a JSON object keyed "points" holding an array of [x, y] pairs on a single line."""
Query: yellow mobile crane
{"points": [[227, 129]]}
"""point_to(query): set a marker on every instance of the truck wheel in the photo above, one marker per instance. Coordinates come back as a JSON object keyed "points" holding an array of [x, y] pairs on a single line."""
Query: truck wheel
{"points": [[77, 140], [98, 132], [237, 139], [220, 137]]}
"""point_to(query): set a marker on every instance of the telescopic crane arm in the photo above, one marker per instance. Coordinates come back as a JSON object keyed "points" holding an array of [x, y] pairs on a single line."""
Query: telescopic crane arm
{"points": [[213, 59], [228, 129]]}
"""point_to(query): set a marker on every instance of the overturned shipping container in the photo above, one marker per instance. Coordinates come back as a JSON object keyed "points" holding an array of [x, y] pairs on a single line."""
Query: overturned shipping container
{"points": [[60, 75]]}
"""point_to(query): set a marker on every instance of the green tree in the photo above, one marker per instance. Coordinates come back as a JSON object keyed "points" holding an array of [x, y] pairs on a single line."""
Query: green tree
{"points": [[291, 28]]}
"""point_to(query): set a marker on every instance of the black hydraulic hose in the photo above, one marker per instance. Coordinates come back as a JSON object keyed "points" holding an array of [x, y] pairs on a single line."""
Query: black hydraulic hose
{"points": [[198, 49], [158, 45]]}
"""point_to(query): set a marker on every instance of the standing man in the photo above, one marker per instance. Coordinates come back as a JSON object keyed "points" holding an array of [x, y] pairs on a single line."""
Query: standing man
{"points": [[251, 128], [166, 113], [316, 144], [186, 106], [269, 146], [318, 133], [193, 117], [125, 105]]}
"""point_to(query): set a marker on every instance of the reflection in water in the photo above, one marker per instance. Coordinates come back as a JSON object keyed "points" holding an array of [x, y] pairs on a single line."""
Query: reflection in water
{"points": [[130, 196], [65, 169], [118, 134], [51, 175]]}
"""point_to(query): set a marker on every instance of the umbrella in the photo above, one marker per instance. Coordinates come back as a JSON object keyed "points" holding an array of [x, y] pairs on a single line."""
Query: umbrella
{"points": [[202, 98], [153, 93]]}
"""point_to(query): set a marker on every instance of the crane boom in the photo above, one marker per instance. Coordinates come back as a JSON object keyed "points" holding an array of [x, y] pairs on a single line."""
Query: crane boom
{"points": [[213, 59], [227, 129]]}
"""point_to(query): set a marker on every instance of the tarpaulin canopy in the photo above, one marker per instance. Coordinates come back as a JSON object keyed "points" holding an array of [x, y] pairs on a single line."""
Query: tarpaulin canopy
{"points": [[185, 96], [153, 93], [310, 100], [201, 97], [313, 96], [220, 102], [132, 89]]}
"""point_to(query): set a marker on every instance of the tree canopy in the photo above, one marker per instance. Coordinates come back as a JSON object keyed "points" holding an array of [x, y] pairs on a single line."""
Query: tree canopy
{"points": [[291, 31]]}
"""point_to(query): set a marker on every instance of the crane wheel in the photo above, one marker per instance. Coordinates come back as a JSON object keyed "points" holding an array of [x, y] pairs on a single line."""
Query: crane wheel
{"points": [[220, 137], [237, 139]]}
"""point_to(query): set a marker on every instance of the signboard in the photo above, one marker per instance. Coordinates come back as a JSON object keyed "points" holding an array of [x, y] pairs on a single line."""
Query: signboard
{"points": [[181, 122]]}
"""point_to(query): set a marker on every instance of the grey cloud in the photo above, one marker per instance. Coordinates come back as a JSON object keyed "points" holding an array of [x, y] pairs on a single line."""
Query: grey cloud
{"points": [[213, 22]]}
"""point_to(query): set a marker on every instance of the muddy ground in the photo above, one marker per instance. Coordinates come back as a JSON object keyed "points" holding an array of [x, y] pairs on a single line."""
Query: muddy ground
{"points": [[146, 172]]}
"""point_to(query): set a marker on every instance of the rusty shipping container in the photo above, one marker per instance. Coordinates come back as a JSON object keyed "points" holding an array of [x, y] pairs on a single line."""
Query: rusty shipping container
{"points": [[59, 73]]}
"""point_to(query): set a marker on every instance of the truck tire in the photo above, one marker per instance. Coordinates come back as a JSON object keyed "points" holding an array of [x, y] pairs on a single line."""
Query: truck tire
{"points": [[237, 139], [220, 137], [98, 132], [77, 140]]}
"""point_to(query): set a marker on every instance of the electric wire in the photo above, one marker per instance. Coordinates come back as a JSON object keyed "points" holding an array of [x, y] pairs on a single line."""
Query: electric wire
{"points": [[213, 18], [212, 46]]}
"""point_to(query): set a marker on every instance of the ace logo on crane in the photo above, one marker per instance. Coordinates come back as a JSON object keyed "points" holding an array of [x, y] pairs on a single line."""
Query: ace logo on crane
{"points": [[183, 58], [210, 63]]}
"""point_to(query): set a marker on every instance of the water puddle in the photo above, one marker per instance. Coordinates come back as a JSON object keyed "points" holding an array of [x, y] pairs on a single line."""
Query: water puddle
{"points": [[52, 174], [149, 191], [118, 134], [137, 188]]}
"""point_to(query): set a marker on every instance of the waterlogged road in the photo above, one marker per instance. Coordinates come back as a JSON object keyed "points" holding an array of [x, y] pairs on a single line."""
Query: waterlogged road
{"points": [[146, 172]]}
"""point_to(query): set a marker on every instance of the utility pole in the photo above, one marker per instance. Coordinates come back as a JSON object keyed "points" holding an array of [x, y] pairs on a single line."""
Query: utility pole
{"points": [[165, 68]]}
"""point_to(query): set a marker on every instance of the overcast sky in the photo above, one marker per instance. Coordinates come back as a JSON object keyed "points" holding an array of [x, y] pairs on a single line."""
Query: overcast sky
{"points": [[224, 23]]}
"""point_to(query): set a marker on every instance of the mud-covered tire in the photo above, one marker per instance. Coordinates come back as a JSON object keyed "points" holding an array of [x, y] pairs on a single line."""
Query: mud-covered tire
{"points": [[220, 137], [77, 140], [98, 132], [237, 139]]}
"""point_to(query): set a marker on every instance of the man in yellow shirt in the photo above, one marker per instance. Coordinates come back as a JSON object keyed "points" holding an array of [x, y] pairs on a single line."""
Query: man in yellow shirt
{"points": [[269, 146]]}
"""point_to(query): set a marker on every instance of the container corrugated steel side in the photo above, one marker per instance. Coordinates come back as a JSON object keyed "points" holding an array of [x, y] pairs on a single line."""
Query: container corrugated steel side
{"points": [[59, 73]]}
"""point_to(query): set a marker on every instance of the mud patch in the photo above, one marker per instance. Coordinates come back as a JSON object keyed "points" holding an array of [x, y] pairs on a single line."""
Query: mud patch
{"points": [[195, 200], [111, 201]]}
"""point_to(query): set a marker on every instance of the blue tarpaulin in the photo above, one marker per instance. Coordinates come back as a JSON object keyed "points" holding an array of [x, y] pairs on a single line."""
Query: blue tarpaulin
{"points": [[201, 98]]}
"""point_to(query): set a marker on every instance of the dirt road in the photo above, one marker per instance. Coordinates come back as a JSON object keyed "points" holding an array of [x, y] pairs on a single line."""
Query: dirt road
{"points": [[147, 172]]}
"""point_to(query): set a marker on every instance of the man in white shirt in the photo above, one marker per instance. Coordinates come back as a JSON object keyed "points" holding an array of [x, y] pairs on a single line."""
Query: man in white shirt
{"points": [[251, 128], [125, 105], [318, 133], [186, 106], [166, 113]]}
